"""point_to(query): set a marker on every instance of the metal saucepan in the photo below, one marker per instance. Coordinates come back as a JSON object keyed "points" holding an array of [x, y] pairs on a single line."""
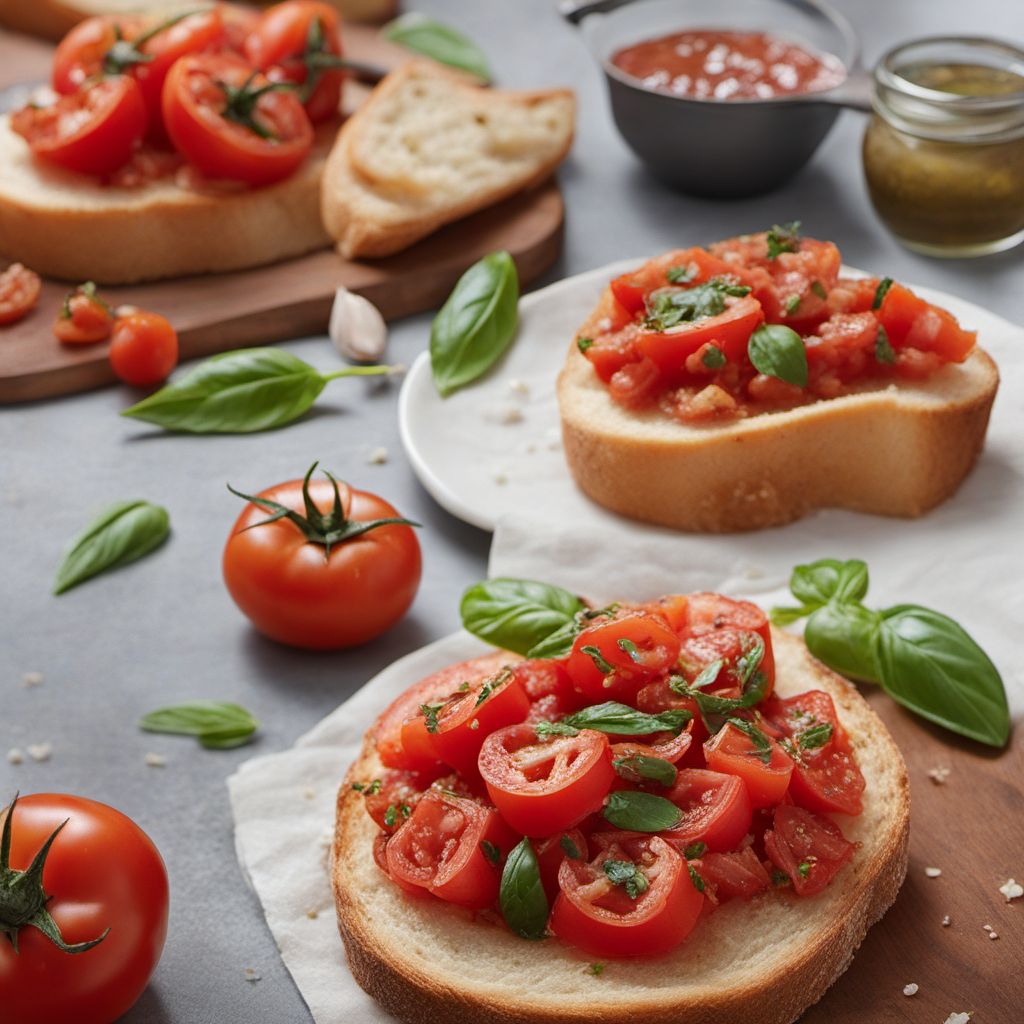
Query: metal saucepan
{"points": [[721, 148]]}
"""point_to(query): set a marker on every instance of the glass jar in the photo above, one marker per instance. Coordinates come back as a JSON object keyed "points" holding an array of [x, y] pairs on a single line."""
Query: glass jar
{"points": [[944, 150]]}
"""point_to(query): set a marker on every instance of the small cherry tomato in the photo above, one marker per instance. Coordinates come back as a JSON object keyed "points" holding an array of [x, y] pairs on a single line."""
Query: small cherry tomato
{"points": [[764, 769], [613, 658], [143, 348], [104, 886], [336, 568], [84, 318], [546, 785], [646, 915], [19, 292], [80, 54], [716, 810], [232, 122], [440, 848], [94, 130], [298, 41], [808, 847]]}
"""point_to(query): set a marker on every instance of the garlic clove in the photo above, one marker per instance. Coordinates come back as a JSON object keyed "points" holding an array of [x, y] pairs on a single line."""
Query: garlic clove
{"points": [[356, 328]]}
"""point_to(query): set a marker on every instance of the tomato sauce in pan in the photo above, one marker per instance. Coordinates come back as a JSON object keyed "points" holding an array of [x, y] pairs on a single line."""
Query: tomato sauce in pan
{"points": [[721, 65]]}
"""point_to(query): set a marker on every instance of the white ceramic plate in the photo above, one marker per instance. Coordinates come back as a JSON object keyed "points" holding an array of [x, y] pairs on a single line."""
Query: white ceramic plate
{"points": [[495, 445]]}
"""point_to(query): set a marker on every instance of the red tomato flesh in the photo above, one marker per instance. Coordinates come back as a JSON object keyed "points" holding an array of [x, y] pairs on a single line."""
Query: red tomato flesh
{"points": [[808, 847], [716, 810]]}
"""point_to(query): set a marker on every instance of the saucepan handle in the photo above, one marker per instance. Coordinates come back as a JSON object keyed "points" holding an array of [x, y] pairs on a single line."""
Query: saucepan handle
{"points": [[576, 10]]}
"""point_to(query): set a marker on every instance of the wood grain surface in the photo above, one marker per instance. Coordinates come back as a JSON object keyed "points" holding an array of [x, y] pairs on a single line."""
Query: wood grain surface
{"points": [[216, 312]]}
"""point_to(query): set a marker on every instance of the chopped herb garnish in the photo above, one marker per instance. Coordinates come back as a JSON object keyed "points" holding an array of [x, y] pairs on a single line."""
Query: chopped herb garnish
{"points": [[780, 878], [490, 851], [815, 737], [628, 647], [783, 238], [881, 291], [884, 351], [598, 659], [713, 358], [628, 875], [572, 851], [492, 684], [804, 868], [429, 712], [596, 970], [669, 307], [762, 745], [819, 289], [695, 850], [584, 343], [682, 275], [463, 687], [367, 788], [393, 811], [639, 768], [698, 882], [792, 304]]}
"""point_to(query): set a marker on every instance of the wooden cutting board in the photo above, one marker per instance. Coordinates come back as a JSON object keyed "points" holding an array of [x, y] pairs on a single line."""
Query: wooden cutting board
{"points": [[216, 312]]}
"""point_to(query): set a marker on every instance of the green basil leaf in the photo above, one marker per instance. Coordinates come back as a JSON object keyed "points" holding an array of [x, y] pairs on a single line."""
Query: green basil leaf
{"points": [[476, 324], [517, 614], [844, 637], [622, 720], [216, 724], [762, 745], [669, 307], [782, 615], [438, 41], [815, 737], [932, 666], [120, 534], [559, 643], [778, 351], [884, 352], [641, 812], [628, 875], [819, 582], [643, 768], [524, 903], [783, 238], [240, 392], [880, 292]]}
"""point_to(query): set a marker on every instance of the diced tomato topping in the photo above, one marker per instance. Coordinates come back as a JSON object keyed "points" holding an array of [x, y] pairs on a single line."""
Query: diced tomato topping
{"points": [[738, 875], [716, 810], [809, 848]]}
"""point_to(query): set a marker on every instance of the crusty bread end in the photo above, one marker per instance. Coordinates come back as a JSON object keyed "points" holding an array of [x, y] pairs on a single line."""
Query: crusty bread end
{"points": [[763, 961]]}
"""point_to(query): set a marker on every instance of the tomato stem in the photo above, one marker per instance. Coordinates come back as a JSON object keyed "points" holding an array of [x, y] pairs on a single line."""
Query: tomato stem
{"points": [[330, 529], [22, 898]]}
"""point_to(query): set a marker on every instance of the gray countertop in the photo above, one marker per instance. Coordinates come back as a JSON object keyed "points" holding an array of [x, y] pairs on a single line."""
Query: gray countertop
{"points": [[165, 629]]}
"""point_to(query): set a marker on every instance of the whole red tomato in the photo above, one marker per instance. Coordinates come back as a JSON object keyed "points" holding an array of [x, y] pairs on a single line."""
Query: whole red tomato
{"points": [[319, 564], [143, 348], [103, 887]]}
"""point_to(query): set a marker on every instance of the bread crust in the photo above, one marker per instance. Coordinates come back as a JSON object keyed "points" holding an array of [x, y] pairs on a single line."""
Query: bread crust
{"points": [[65, 226], [368, 219], [896, 451], [418, 990]]}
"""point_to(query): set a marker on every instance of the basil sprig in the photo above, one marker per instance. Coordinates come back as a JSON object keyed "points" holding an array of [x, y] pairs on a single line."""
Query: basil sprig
{"points": [[778, 351], [524, 904], [641, 812], [617, 719], [753, 684], [669, 307], [217, 725], [438, 41], [123, 532], [783, 238], [922, 658], [639, 768], [241, 392], [476, 324]]}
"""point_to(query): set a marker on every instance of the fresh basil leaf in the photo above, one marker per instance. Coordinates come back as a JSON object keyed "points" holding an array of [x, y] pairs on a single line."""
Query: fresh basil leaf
{"points": [[819, 289], [669, 307], [641, 812], [695, 850], [932, 666], [698, 882], [583, 344], [815, 737], [240, 392], [844, 637], [216, 724], [572, 851], [559, 643], [491, 852], [792, 304], [517, 615], [778, 351], [819, 582], [782, 615], [438, 41], [783, 238], [476, 324], [884, 352], [628, 875], [881, 291], [640, 768], [708, 674], [682, 274], [120, 534], [762, 745], [713, 358], [595, 655], [524, 904], [622, 720]]}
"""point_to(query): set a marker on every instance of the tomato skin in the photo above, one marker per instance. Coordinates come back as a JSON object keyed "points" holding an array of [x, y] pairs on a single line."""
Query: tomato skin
{"points": [[738, 875], [610, 924], [732, 752], [657, 649], [396, 788], [912, 322], [79, 55], [92, 131], [278, 41], [90, 320], [19, 293], [143, 348], [546, 786], [293, 594], [708, 612], [439, 849], [799, 836], [716, 810], [550, 854], [102, 871], [193, 103]]}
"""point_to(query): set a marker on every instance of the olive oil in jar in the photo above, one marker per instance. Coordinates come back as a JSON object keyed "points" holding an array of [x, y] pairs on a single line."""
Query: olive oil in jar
{"points": [[944, 151]]}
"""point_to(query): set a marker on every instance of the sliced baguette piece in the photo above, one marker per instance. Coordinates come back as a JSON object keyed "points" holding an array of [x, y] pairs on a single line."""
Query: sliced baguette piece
{"points": [[763, 961], [899, 450], [66, 225], [431, 146]]}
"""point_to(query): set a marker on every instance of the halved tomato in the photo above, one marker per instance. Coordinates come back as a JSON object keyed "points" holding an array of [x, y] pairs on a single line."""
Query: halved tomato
{"points": [[613, 658], [391, 798], [764, 771], [667, 746], [659, 696], [80, 54], [552, 851], [736, 875], [441, 848], [686, 266], [547, 785], [809, 848], [716, 810], [608, 918]]}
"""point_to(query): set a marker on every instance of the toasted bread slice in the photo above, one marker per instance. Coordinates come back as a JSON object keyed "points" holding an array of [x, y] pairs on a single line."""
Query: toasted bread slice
{"points": [[763, 961], [431, 146], [898, 450], [66, 225]]}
